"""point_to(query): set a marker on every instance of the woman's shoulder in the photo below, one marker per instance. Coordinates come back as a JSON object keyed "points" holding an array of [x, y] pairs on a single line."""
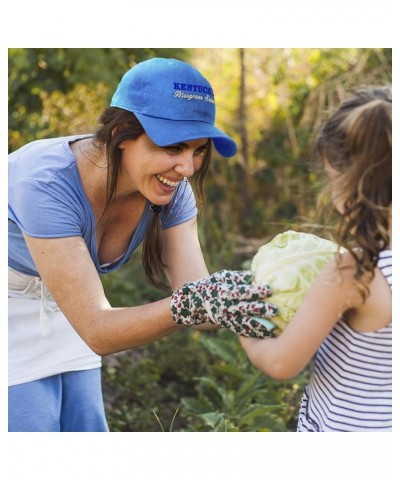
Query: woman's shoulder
{"points": [[41, 159]]}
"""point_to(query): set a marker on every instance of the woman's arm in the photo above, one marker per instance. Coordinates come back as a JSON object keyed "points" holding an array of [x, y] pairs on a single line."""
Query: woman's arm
{"points": [[67, 270], [183, 255], [184, 258], [69, 274], [329, 297]]}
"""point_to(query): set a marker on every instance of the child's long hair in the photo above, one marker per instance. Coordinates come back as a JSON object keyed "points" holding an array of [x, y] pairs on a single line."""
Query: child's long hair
{"points": [[357, 142], [119, 125]]}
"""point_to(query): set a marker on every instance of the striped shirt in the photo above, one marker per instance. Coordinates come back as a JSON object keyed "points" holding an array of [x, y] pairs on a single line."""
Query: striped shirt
{"points": [[351, 383]]}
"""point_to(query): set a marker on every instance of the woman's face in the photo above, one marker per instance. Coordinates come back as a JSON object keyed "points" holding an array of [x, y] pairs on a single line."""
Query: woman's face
{"points": [[156, 171]]}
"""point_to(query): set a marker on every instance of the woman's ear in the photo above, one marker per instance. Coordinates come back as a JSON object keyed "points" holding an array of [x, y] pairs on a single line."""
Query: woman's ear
{"points": [[121, 126]]}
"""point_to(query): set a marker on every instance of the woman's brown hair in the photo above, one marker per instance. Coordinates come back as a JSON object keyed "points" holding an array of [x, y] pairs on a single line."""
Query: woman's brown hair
{"points": [[357, 142], [118, 125]]}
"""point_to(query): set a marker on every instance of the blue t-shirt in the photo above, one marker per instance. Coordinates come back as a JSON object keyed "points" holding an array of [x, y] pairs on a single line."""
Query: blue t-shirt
{"points": [[46, 199]]}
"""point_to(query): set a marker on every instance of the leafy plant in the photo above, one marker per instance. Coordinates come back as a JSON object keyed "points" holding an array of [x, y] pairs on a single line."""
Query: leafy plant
{"points": [[143, 387], [235, 397], [193, 381]]}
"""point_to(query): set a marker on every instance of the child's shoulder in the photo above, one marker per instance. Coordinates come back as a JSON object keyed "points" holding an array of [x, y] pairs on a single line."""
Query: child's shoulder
{"points": [[375, 312], [346, 259], [343, 265], [338, 276]]}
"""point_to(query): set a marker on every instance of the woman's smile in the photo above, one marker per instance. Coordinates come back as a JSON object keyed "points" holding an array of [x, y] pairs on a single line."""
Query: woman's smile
{"points": [[168, 183]]}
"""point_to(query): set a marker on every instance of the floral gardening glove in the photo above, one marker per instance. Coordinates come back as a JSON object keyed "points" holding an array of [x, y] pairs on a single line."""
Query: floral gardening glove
{"points": [[227, 299]]}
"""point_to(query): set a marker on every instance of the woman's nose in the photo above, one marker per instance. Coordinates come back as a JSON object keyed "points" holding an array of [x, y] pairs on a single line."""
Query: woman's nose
{"points": [[185, 165]]}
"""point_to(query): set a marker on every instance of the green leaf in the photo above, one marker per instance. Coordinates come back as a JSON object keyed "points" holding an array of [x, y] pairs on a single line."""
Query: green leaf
{"points": [[194, 405], [249, 388], [219, 348], [213, 418], [256, 411]]}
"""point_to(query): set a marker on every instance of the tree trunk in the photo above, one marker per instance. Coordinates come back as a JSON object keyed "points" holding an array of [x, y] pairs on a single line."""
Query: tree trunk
{"points": [[244, 144]]}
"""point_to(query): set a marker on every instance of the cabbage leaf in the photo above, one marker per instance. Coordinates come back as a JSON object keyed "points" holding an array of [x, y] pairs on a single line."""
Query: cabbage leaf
{"points": [[288, 264]]}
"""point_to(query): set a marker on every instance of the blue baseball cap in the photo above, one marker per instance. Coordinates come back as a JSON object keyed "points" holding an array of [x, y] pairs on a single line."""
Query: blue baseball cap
{"points": [[174, 103]]}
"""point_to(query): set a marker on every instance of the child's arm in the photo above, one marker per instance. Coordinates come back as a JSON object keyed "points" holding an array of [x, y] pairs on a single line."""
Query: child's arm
{"points": [[330, 295]]}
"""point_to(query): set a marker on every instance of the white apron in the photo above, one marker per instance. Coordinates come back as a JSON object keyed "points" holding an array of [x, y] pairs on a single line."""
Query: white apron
{"points": [[41, 341]]}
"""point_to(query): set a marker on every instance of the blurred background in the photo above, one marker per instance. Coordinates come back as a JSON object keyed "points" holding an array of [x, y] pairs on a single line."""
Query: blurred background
{"points": [[272, 102]]}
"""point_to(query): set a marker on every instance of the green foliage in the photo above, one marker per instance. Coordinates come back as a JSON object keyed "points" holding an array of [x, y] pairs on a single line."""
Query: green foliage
{"points": [[195, 381], [235, 397], [128, 286], [60, 85], [151, 380]]}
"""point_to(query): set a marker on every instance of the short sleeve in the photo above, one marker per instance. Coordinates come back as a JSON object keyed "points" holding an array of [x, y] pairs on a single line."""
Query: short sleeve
{"points": [[44, 209], [182, 207]]}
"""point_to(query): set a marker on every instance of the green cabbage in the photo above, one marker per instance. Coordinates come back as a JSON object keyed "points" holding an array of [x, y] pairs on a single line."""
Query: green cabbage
{"points": [[288, 264]]}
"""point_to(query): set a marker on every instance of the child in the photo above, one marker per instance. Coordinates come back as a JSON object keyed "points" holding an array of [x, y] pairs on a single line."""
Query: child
{"points": [[346, 318]]}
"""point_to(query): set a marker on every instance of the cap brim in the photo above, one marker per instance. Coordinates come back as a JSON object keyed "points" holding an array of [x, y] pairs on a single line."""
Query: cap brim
{"points": [[165, 132]]}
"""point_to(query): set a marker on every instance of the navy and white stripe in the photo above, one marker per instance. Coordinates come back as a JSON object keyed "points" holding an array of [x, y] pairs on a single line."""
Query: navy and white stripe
{"points": [[351, 384]]}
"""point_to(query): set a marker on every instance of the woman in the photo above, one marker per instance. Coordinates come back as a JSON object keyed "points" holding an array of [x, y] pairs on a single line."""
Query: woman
{"points": [[80, 206]]}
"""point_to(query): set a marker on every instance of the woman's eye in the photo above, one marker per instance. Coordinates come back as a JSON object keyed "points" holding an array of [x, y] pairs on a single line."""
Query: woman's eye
{"points": [[173, 149], [201, 152]]}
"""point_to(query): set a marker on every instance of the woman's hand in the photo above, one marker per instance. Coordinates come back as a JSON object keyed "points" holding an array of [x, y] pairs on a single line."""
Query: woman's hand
{"points": [[226, 299]]}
